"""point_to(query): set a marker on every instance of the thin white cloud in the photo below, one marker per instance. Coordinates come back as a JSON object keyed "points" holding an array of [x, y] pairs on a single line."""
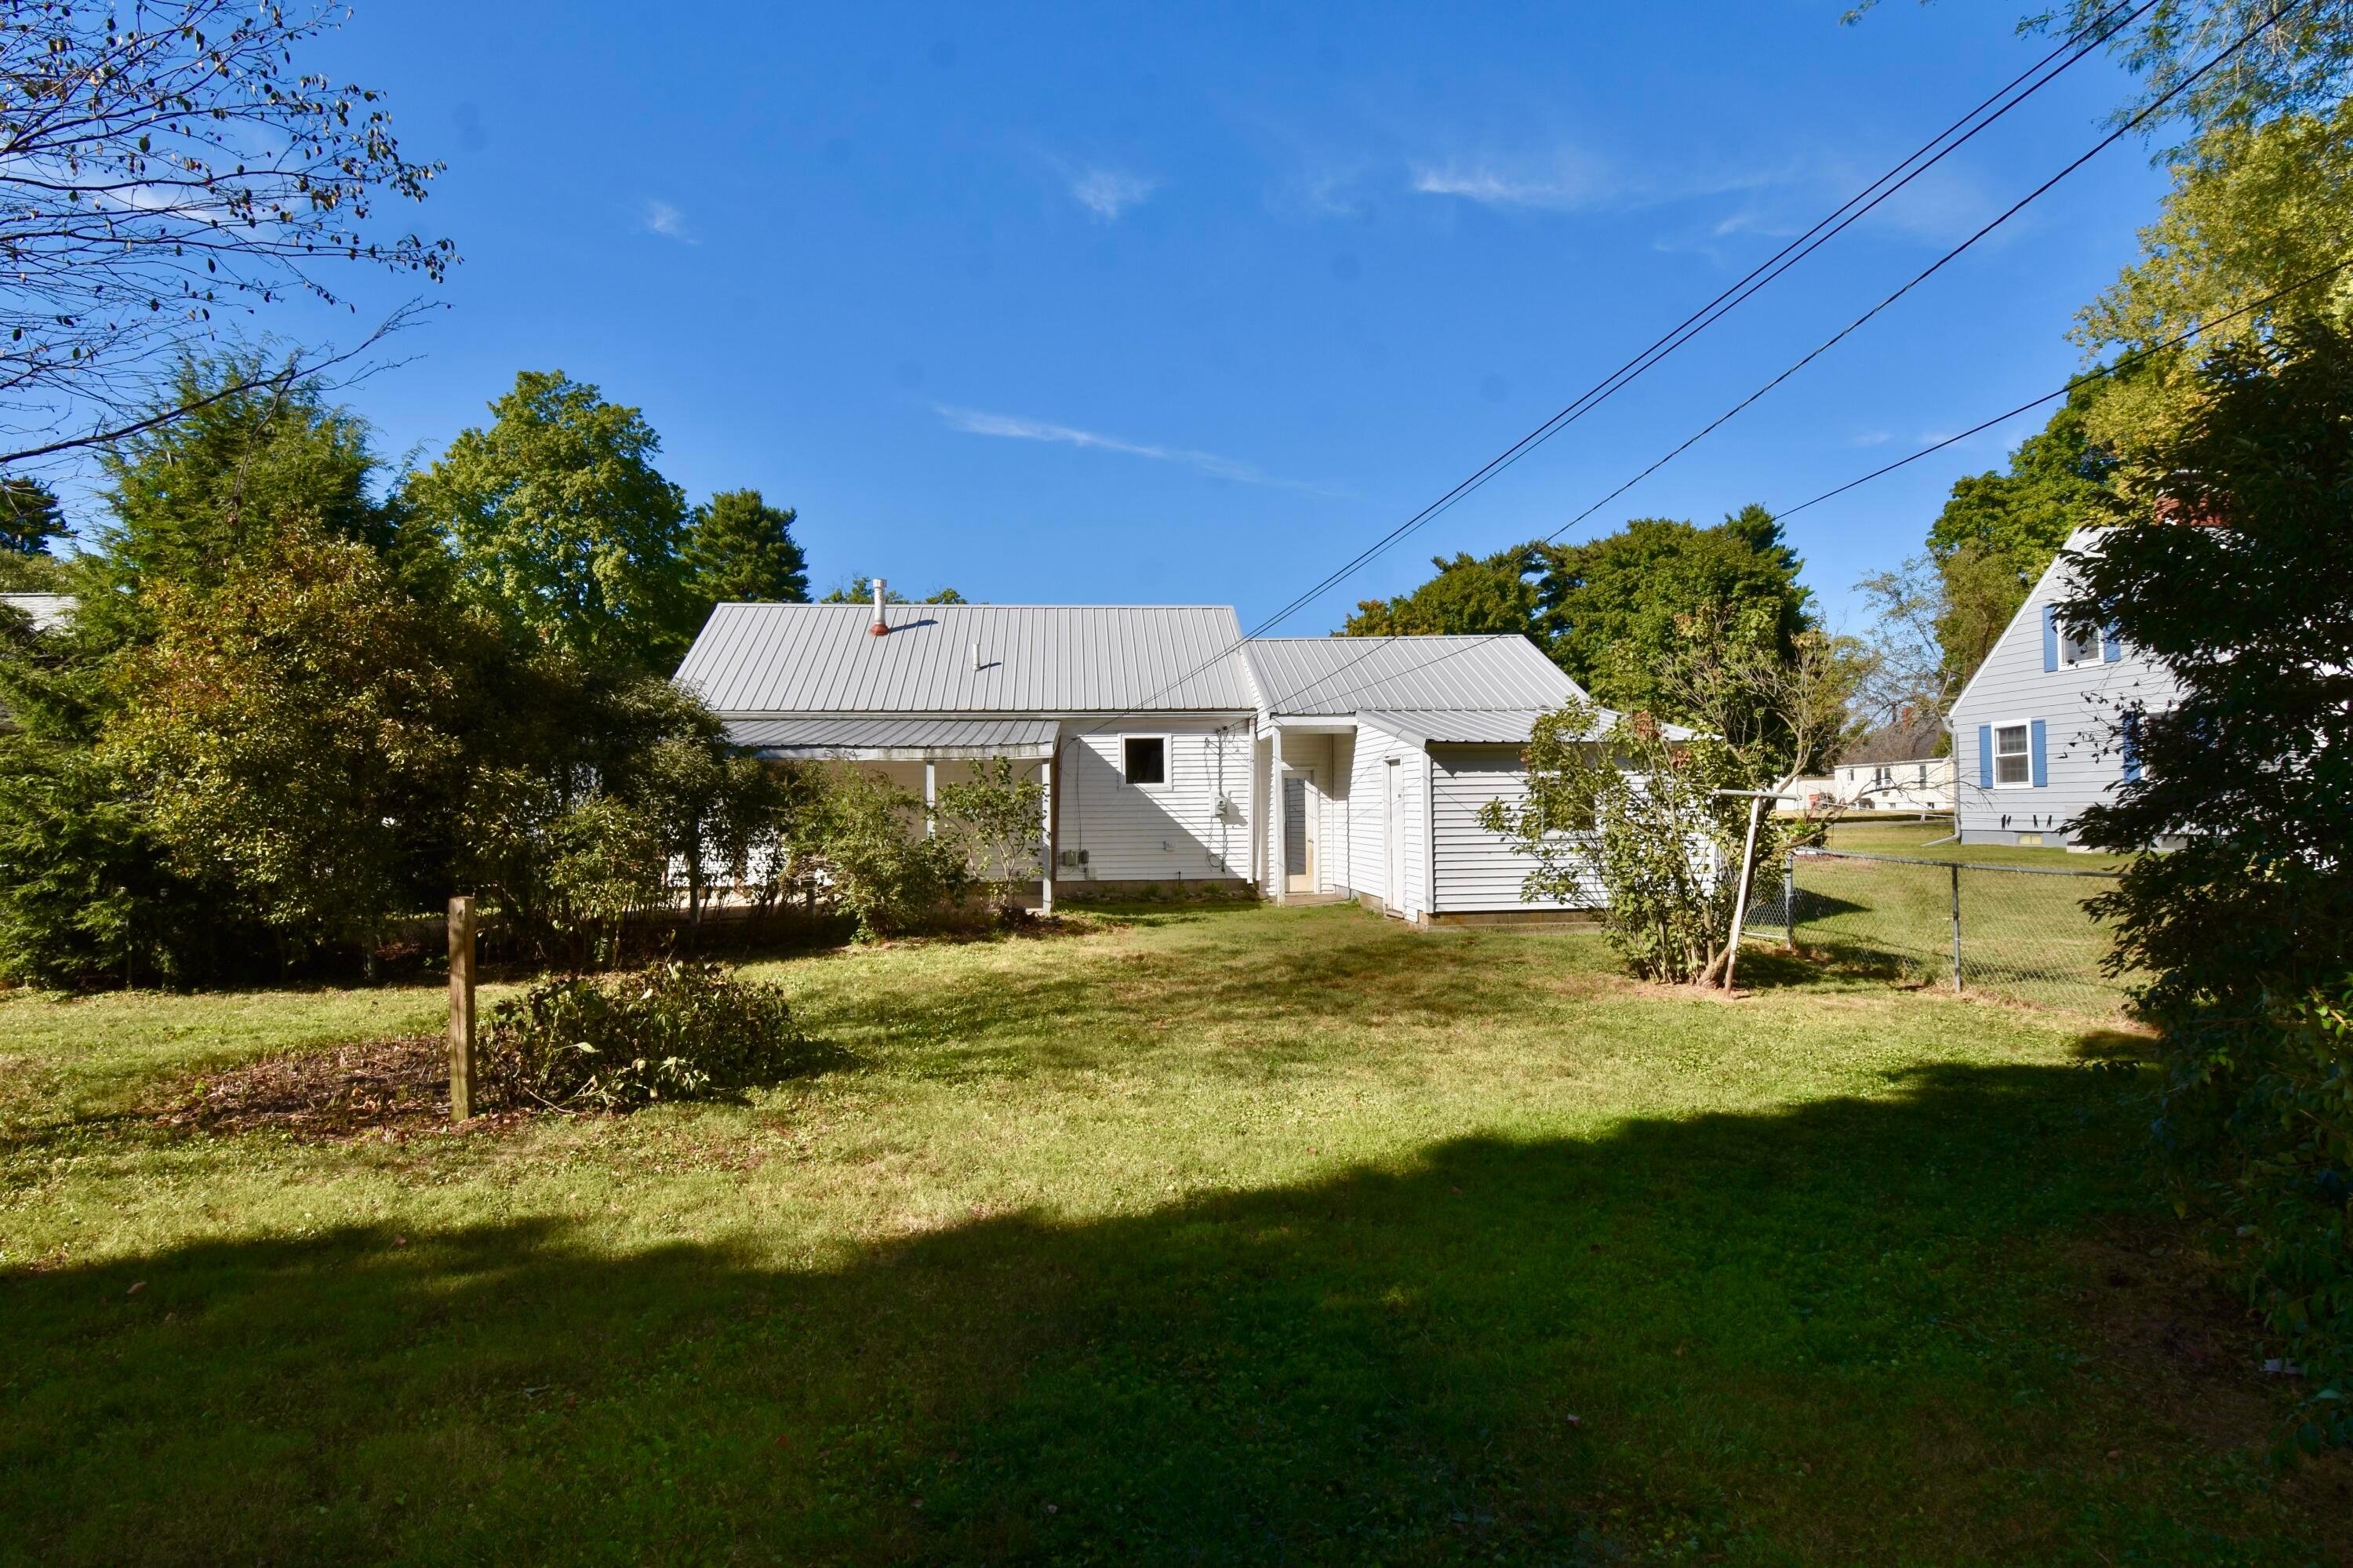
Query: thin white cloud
{"points": [[1012, 427], [1565, 180], [1108, 192], [1871, 438], [661, 217]]}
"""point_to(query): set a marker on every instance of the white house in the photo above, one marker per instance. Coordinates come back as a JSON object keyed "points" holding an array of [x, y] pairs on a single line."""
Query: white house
{"points": [[1173, 751], [2037, 731], [1921, 784]]}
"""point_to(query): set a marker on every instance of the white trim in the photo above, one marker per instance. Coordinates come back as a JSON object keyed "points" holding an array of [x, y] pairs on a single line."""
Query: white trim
{"points": [[2026, 727]]}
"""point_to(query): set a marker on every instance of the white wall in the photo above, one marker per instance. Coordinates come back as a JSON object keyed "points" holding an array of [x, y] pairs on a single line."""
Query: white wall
{"points": [[1368, 818], [1478, 870], [1923, 785], [2078, 706], [1140, 834]]}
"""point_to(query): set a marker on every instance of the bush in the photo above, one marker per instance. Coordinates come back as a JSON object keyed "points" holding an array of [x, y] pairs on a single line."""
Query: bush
{"points": [[674, 1031], [875, 862]]}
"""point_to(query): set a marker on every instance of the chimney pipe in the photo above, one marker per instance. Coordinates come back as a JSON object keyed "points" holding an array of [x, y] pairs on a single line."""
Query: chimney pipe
{"points": [[880, 628]]}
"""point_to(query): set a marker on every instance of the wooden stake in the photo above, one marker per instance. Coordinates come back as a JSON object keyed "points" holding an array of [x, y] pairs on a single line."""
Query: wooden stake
{"points": [[461, 1008]]}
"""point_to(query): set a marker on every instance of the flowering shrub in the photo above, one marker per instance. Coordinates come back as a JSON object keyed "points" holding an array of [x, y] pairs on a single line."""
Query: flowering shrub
{"points": [[674, 1031]]}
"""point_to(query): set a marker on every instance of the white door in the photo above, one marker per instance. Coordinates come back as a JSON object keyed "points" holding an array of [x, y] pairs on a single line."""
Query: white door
{"points": [[1299, 830], [1393, 833]]}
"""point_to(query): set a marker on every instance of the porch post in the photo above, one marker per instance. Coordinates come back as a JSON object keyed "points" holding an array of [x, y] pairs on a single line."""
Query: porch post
{"points": [[1045, 883], [1280, 850], [931, 798]]}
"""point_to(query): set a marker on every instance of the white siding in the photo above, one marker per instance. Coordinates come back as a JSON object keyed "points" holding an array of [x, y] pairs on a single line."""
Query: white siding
{"points": [[1196, 826], [1478, 870], [1368, 818], [2078, 706]]}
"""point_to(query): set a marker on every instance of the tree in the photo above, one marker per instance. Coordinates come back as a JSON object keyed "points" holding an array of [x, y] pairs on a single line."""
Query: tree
{"points": [[741, 550], [2297, 59], [1612, 610], [163, 170], [1469, 595], [1002, 814], [29, 518], [1999, 531], [2239, 588], [286, 730], [860, 589], [1635, 811], [562, 524]]}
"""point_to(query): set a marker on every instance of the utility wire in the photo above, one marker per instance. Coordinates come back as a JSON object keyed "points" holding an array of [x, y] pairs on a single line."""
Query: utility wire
{"points": [[2099, 373], [2008, 97]]}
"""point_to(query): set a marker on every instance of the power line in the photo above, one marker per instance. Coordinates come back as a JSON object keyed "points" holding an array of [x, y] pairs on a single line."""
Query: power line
{"points": [[1935, 267], [1933, 150]]}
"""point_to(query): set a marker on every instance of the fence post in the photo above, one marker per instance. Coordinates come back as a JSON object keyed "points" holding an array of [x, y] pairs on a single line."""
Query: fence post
{"points": [[1789, 898], [461, 1008], [1956, 868]]}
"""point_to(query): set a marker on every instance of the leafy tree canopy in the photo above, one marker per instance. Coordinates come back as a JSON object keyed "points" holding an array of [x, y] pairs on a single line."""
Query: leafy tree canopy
{"points": [[1469, 595], [860, 589], [562, 524], [742, 550], [1612, 611]]}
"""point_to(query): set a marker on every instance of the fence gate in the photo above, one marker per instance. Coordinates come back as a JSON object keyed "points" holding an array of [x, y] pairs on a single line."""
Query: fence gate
{"points": [[2020, 932]]}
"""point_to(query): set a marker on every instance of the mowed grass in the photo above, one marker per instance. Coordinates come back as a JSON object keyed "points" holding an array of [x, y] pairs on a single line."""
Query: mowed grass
{"points": [[1249, 1235], [2025, 935]]}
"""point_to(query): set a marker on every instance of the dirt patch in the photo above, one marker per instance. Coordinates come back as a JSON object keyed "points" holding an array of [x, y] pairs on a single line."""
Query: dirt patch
{"points": [[389, 1088]]}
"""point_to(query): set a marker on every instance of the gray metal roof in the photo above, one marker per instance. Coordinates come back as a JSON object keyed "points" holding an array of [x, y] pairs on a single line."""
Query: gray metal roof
{"points": [[47, 611], [1502, 727], [1050, 659], [1306, 675], [893, 738]]}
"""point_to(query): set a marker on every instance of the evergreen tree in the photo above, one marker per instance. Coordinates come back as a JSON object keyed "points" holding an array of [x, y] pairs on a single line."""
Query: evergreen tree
{"points": [[741, 550], [1469, 595]]}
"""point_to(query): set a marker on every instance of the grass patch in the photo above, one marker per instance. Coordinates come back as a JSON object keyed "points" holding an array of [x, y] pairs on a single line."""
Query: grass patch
{"points": [[1207, 1235]]}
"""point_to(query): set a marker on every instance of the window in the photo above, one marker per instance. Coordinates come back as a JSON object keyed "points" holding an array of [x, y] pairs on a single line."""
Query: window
{"points": [[2081, 646], [2011, 764], [1144, 758]]}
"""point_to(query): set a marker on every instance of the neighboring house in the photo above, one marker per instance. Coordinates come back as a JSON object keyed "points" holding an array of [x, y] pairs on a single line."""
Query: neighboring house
{"points": [[1173, 751], [47, 611], [1924, 784], [2037, 731]]}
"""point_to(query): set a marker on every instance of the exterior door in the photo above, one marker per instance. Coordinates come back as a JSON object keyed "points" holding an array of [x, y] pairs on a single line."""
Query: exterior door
{"points": [[1393, 838], [1299, 830]]}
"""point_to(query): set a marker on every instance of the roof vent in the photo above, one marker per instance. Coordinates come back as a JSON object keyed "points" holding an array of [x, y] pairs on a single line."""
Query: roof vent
{"points": [[976, 665], [880, 628]]}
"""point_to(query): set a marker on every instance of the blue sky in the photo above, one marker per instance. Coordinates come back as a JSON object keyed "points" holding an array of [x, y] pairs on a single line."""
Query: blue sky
{"points": [[1103, 303]]}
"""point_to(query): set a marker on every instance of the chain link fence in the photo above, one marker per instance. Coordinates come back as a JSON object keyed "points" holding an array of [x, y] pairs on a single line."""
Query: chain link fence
{"points": [[2012, 931]]}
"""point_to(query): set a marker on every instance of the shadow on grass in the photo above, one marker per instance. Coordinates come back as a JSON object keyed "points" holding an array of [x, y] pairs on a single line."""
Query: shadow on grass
{"points": [[1824, 1334]]}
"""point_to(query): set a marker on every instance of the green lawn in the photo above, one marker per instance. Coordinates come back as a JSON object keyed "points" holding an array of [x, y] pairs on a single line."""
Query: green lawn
{"points": [[1247, 1235]]}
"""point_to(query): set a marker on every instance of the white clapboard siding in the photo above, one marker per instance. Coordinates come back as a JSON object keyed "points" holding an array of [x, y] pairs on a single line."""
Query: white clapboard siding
{"points": [[2078, 706], [1195, 826], [1479, 870], [1368, 818]]}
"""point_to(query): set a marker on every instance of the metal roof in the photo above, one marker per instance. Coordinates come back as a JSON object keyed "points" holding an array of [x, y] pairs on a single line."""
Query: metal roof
{"points": [[1502, 727], [47, 611], [1051, 659], [894, 739], [1306, 675]]}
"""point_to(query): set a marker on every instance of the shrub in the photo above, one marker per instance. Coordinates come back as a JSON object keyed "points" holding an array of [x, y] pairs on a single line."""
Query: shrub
{"points": [[876, 864], [1003, 816], [674, 1031]]}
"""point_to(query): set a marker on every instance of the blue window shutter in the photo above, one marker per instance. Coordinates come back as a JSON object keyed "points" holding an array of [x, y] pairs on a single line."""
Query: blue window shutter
{"points": [[1984, 755], [2112, 647], [2131, 735], [2050, 641], [2036, 753]]}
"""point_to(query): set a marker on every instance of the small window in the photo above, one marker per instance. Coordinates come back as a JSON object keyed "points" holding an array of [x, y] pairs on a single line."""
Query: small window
{"points": [[2009, 760], [2079, 647], [1144, 758]]}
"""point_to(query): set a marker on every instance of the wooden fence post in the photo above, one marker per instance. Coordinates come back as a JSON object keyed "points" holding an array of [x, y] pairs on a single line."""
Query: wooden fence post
{"points": [[461, 1008]]}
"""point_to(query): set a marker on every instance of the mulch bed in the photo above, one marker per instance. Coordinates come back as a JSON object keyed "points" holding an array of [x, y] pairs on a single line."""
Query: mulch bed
{"points": [[394, 1088]]}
